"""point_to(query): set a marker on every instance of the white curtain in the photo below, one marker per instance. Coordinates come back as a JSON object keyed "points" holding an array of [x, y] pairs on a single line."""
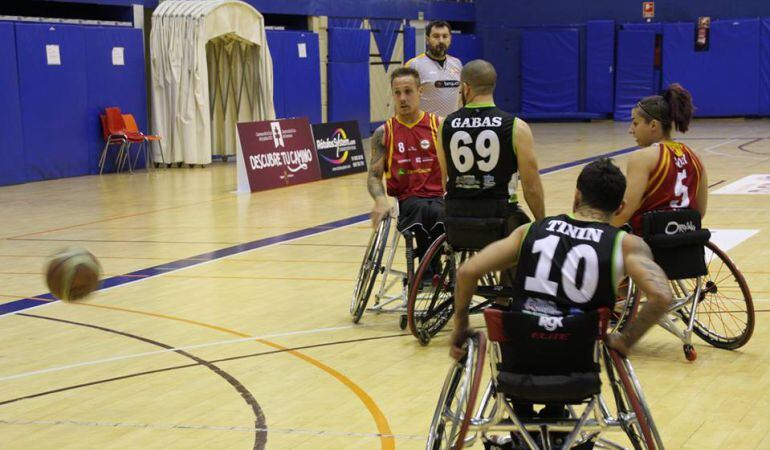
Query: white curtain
{"points": [[181, 100]]}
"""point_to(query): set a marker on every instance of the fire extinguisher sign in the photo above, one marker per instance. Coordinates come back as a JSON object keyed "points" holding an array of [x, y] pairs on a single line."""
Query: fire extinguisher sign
{"points": [[702, 34], [648, 10]]}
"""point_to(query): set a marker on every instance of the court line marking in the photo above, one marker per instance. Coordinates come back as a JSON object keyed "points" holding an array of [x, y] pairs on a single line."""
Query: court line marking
{"points": [[163, 426], [172, 350]]}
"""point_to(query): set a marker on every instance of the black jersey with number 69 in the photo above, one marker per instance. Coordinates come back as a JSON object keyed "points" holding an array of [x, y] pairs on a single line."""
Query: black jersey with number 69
{"points": [[478, 143], [570, 262]]}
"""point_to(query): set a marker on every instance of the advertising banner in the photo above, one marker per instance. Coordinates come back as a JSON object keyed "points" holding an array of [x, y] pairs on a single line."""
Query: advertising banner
{"points": [[339, 148], [278, 153]]}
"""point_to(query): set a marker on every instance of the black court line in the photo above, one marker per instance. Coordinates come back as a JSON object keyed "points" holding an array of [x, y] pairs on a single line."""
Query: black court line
{"points": [[121, 241], [743, 146], [260, 437], [716, 184]]}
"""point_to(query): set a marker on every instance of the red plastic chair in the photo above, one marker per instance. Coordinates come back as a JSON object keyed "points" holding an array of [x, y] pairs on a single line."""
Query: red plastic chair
{"points": [[116, 129], [109, 139], [131, 127]]}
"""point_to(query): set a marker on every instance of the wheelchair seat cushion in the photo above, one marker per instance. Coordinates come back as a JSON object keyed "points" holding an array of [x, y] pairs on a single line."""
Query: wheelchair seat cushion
{"points": [[677, 242], [570, 388]]}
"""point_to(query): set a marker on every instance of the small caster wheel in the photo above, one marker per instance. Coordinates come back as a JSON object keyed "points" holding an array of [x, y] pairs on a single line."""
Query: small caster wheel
{"points": [[402, 322], [689, 352], [424, 338]]}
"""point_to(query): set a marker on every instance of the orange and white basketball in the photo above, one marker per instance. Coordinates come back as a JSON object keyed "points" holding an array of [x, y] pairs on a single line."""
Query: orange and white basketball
{"points": [[72, 274]]}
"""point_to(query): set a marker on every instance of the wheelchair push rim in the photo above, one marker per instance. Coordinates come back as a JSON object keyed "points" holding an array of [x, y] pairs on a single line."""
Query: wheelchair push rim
{"points": [[455, 409], [430, 308], [724, 316], [370, 267]]}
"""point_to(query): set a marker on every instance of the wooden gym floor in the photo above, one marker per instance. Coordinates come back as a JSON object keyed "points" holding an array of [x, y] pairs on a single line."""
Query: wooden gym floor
{"points": [[193, 347]]}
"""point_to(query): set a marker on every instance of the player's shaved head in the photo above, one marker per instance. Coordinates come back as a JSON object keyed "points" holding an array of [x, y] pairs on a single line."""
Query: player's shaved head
{"points": [[480, 75]]}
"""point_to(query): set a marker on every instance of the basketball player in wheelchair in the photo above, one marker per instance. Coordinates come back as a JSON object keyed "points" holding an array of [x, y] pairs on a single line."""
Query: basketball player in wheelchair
{"points": [[404, 153], [666, 199], [549, 344], [483, 151]]}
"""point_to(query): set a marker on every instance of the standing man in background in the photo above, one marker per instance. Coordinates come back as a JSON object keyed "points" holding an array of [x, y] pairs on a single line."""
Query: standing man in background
{"points": [[439, 72]]}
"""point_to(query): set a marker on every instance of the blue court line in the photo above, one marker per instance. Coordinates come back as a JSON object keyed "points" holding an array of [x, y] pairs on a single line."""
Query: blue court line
{"points": [[31, 302]]}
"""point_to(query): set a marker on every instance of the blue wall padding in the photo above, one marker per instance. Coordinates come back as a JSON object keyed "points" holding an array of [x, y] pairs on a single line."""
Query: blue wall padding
{"points": [[466, 47], [12, 167], [297, 80], [634, 75], [114, 85], [57, 134], [550, 62], [502, 48], [764, 68], [345, 22], [410, 50], [655, 27], [724, 80], [600, 65], [385, 33], [348, 45], [349, 93]]}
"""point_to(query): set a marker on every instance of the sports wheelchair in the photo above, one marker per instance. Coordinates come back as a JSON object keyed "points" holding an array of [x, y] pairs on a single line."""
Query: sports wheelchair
{"points": [[430, 303], [711, 297], [543, 359], [380, 241]]}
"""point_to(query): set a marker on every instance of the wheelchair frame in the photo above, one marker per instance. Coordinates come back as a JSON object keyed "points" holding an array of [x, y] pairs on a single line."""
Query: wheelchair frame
{"points": [[687, 298], [372, 266], [633, 414]]}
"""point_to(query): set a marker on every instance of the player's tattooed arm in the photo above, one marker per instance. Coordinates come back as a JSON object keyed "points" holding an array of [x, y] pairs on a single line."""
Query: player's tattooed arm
{"points": [[377, 164], [653, 282], [374, 180]]}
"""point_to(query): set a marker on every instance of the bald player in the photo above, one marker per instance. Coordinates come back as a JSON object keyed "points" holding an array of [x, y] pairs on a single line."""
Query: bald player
{"points": [[482, 149]]}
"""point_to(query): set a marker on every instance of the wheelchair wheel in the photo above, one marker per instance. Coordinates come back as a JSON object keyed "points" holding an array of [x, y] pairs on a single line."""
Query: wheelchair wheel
{"points": [[633, 412], [458, 398], [371, 265], [626, 305], [431, 301], [725, 314]]}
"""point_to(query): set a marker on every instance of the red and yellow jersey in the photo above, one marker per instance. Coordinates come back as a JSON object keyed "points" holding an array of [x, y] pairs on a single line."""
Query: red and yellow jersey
{"points": [[411, 164], [673, 183]]}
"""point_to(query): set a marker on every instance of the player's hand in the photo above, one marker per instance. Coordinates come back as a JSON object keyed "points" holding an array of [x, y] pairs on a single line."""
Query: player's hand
{"points": [[457, 342], [379, 212], [617, 342]]}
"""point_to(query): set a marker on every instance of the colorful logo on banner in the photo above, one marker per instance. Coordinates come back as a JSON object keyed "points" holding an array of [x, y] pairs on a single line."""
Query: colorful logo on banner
{"points": [[278, 153], [340, 148], [338, 140]]}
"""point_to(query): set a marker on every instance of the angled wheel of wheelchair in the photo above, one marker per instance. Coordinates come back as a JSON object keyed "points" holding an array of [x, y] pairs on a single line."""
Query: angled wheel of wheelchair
{"points": [[370, 267], [458, 398], [633, 412], [725, 314], [431, 301]]}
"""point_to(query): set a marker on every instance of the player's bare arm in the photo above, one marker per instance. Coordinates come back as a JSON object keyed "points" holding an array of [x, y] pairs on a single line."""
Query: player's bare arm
{"points": [[703, 192], [637, 175], [528, 170], [500, 255], [374, 181], [651, 279]]}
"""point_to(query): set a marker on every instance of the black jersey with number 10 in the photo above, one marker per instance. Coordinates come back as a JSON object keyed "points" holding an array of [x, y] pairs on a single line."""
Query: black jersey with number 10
{"points": [[571, 262], [478, 142]]}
